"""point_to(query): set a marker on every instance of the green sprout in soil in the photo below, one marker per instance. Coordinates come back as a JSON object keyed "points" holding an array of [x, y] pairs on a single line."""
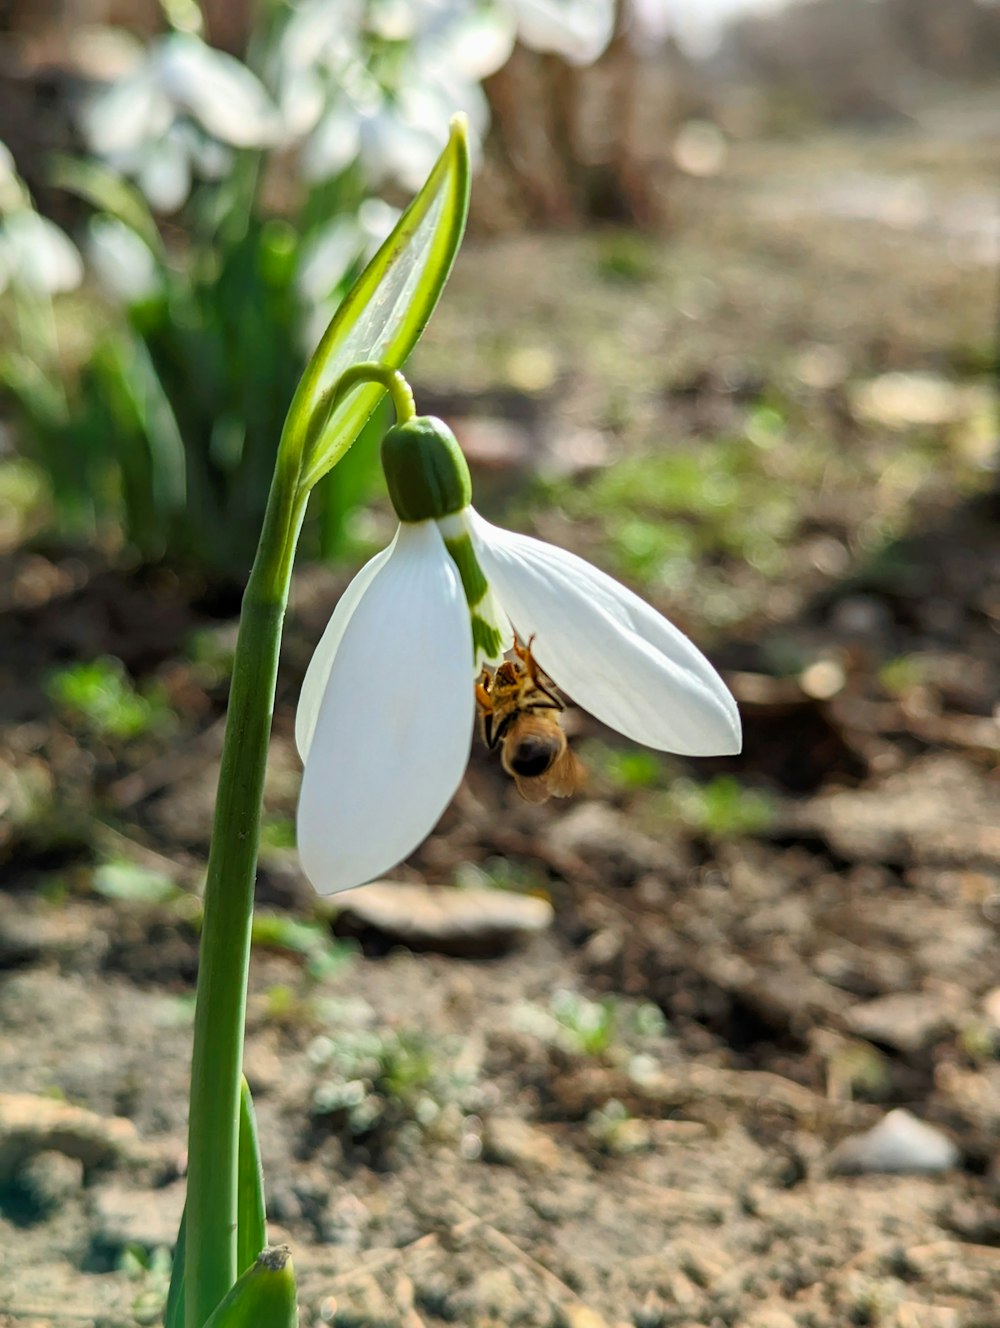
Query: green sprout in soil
{"points": [[721, 808], [212, 651], [496, 873], [126, 881], [102, 695], [397, 1086], [626, 769], [277, 833], [611, 1028], [150, 1268], [323, 953], [902, 674], [616, 1131], [626, 258]]}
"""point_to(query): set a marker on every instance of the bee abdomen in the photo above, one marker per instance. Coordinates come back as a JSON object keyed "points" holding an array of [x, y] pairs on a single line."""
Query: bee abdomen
{"points": [[533, 756]]}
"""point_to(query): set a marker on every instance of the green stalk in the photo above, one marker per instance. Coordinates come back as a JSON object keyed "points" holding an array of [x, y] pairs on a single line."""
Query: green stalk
{"points": [[213, 1125]]}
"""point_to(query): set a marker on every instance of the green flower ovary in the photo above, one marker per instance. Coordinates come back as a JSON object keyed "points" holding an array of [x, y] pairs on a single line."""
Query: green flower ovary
{"points": [[425, 471]]}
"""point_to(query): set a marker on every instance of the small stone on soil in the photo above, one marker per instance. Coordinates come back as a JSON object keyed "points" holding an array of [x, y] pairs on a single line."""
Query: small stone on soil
{"points": [[51, 1178], [462, 922], [515, 1143], [125, 1216], [579, 1316], [910, 1021], [899, 1143], [991, 1006], [30, 1124]]}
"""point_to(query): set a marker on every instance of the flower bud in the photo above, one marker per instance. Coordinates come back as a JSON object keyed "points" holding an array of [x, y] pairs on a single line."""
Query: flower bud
{"points": [[425, 471]]}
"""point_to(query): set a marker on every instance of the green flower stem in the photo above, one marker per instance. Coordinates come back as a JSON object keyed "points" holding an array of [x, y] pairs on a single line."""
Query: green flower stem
{"points": [[371, 371], [213, 1126]]}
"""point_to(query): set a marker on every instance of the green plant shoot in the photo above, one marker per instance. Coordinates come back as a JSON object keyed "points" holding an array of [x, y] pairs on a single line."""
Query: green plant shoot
{"points": [[381, 319]]}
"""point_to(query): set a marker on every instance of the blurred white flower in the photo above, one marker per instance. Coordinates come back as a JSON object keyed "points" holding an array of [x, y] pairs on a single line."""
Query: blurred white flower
{"points": [[37, 255], [328, 255], [353, 81], [334, 144], [578, 30], [222, 94], [380, 83], [124, 263], [13, 194], [179, 113], [34, 253]]}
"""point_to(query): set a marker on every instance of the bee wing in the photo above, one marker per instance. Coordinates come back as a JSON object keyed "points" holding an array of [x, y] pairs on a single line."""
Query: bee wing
{"points": [[565, 775], [533, 790]]}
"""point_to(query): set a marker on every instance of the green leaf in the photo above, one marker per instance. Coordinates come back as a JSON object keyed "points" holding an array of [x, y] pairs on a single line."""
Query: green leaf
{"points": [[128, 881], [382, 316], [264, 1297], [106, 191], [173, 1314], [251, 1230]]}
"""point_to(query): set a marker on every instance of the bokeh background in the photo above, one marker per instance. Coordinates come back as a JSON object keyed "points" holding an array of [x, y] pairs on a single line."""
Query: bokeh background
{"points": [[714, 1043]]}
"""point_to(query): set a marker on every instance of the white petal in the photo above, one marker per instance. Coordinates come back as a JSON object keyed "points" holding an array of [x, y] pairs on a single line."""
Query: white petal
{"points": [[122, 259], [218, 90], [616, 657], [127, 114], [395, 725], [12, 191], [165, 174], [579, 30], [41, 256], [479, 43], [376, 219], [326, 255], [334, 143], [318, 672]]}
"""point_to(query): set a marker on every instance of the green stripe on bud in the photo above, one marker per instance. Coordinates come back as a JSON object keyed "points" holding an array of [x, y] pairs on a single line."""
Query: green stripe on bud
{"points": [[485, 634], [425, 471], [486, 638]]}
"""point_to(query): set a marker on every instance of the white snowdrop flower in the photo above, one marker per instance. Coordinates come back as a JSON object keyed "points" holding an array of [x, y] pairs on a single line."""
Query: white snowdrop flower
{"points": [[325, 256], [179, 112], [162, 169], [386, 716], [123, 261], [220, 92], [35, 253], [335, 143], [578, 30]]}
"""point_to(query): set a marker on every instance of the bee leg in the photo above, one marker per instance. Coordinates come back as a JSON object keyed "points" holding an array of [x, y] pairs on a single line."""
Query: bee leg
{"points": [[523, 653], [535, 675], [485, 704], [483, 699]]}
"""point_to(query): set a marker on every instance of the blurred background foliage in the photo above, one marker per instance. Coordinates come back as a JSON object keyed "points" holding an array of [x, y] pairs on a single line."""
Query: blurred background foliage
{"points": [[190, 190]]}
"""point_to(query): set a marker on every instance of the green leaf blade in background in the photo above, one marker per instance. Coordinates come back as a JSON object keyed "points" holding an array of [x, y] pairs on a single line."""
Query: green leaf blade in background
{"points": [[382, 316], [251, 1230], [173, 1313], [107, 191]]}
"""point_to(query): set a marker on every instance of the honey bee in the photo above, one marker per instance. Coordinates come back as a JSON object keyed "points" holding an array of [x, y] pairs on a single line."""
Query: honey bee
{"points": [[519, 712]]}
